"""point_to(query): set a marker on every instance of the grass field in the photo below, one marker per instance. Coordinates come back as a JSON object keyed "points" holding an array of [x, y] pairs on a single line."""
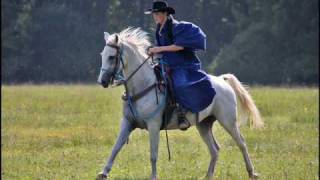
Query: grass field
{"points": [[67, 132]]}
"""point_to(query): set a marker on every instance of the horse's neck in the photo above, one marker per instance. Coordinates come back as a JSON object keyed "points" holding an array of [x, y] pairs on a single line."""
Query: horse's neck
{"points": [[143, 78]]}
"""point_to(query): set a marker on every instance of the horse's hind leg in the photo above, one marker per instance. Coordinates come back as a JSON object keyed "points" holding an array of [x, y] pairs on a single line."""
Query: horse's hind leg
{"points": [[125, 131], [205, 130], [233, 129]]}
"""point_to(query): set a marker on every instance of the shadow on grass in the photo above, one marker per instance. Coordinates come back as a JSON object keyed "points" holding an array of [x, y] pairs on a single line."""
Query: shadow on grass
{"points": [[143, 178], [128, 178]]}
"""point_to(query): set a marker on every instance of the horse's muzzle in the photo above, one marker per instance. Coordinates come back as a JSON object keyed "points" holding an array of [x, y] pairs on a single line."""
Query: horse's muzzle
{"points": [[104, 84], [105, 79]]}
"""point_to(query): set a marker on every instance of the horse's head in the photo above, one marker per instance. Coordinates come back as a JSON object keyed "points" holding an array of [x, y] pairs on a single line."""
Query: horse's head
{"points": [[111, 64], [131, 43]]}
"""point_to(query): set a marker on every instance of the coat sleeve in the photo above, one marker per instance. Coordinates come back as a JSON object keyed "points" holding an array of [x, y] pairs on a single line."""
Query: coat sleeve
{"points": [[189, 36]]}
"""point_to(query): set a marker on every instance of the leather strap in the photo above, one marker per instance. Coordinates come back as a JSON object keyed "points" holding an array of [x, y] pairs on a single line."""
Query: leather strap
{"points": [[140, 94]]}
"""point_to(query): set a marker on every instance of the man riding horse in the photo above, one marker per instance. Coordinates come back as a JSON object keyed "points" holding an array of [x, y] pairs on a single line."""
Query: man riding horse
{"points": [[177, 42], [124, 53]]}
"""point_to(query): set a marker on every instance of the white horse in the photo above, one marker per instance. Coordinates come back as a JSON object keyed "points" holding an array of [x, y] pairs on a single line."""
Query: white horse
{"points": [[126, 52]]}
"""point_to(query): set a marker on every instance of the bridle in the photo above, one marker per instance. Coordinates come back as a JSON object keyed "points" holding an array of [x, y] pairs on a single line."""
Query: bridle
{"points": [[115, 72], [118, 58]]}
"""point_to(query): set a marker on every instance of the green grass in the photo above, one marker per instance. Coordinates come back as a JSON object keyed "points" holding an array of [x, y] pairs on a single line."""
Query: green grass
{"points": [[67, 132]]}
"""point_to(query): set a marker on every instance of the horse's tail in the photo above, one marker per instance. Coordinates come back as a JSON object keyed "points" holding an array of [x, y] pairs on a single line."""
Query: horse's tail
{"points": [[246, 102]]}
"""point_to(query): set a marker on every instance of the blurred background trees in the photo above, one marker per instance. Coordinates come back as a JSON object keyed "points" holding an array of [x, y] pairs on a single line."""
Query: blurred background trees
{"points": [[262, 42]]}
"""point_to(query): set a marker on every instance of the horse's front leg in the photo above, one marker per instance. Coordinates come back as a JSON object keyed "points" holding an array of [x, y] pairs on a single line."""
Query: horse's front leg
{"points": [[126, 129], [154, 131]]}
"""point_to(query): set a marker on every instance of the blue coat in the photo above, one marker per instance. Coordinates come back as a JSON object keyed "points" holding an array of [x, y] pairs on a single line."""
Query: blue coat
{"points": [[192, 87]]}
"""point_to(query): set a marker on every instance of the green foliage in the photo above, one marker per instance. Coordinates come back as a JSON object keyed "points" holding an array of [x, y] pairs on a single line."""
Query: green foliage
{"points": [[67, 132], [279, 44], [264, 42]]}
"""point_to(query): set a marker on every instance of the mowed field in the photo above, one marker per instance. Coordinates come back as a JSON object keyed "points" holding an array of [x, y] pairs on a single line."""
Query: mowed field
{"points": [[67, 132]]}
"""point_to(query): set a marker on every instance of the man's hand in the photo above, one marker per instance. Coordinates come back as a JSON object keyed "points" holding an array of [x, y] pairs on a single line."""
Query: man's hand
{"points": [[154, 50], [159, 49]]}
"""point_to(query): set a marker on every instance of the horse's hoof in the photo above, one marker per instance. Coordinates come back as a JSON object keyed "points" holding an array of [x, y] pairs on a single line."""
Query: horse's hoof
{"points": [[101, 176], [254, 176]]}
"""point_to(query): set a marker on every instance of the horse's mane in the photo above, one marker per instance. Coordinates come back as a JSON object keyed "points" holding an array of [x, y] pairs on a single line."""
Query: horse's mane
{"points": [[136, 39]]}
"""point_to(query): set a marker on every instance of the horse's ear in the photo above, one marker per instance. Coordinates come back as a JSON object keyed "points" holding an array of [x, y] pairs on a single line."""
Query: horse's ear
{"points": [[106, 36], [116, 39]]}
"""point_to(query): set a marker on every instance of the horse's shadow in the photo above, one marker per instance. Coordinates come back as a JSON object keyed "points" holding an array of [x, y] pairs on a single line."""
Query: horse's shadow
{"points": [[142, 178], [128, 178]]}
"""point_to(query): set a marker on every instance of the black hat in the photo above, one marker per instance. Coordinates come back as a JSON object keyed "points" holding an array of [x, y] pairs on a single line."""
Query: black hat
{"points": [[160, 6]]}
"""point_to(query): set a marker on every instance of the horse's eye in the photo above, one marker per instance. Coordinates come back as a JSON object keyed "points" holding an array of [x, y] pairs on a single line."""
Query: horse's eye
{"points": [[112, 57]]}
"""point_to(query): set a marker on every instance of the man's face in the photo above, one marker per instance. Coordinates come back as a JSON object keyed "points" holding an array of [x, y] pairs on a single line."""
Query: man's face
{"points": [[159, 17]]}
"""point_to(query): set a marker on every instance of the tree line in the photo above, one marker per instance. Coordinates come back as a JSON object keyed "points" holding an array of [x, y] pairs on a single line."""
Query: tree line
{"points": [[261, 42]]}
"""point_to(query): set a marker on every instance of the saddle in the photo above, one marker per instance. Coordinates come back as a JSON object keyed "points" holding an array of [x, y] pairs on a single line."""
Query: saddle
{"points": [[165, 83]]}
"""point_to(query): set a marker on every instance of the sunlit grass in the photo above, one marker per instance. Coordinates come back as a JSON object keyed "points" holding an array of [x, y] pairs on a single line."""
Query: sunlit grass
{"points": [[67, 132]]}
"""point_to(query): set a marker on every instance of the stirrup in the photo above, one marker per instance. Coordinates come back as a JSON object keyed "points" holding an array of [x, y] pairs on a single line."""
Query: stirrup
{"points": [[182, 120], [184, 124]]}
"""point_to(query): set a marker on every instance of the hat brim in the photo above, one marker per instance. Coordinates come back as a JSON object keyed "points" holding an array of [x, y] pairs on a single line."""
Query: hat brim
{"points": [[169, 10]]}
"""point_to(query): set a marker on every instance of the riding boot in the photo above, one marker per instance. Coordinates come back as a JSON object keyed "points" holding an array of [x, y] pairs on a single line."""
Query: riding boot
{"points": [[182, 120]]}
